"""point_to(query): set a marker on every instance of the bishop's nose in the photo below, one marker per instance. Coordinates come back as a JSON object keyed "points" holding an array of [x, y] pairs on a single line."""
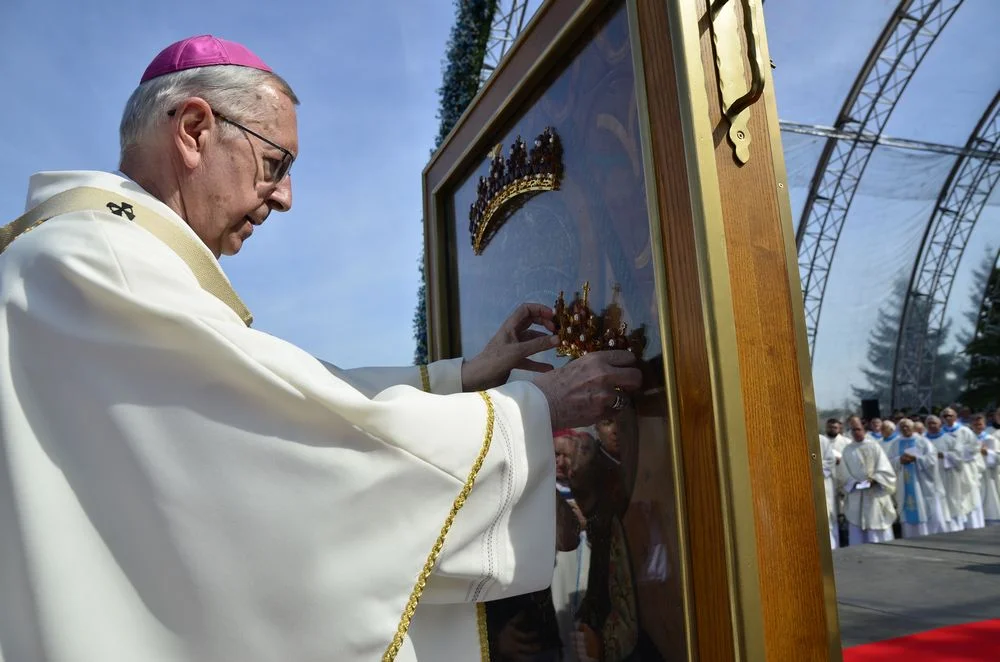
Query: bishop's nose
{"points": [[280, 198]]}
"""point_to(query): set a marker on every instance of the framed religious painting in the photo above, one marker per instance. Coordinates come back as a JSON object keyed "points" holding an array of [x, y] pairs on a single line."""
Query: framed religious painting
{"points": [[623, 166]]}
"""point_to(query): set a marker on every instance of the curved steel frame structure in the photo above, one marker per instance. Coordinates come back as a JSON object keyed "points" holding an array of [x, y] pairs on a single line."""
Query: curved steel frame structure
{"points": [[965, 193], [905, 40], [508, 19]]}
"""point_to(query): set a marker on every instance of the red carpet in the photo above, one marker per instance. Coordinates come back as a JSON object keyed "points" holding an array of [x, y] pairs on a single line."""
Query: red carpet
{"points": [[958, 643]]}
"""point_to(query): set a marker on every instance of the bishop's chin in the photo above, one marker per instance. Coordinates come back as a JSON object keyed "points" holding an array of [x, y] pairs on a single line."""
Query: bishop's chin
{"points": [[233, 241]]}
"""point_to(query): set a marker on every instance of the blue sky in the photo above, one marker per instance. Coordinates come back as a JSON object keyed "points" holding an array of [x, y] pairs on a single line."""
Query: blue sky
{"points": [[338, 274]]}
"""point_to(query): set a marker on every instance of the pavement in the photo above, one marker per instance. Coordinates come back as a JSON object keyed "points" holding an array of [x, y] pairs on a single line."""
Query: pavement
{"points": [[908, 586]]}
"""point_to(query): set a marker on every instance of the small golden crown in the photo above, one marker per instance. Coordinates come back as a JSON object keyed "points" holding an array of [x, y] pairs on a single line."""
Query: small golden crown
{"points": [[512, 182], [581, 331]]}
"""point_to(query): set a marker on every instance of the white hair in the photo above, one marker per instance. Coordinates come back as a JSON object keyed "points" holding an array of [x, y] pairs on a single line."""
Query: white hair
{"points": [[232, 91]]}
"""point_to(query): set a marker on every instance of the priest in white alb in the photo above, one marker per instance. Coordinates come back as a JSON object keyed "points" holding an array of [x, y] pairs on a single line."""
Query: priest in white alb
{"points": [[868, 481], [973, 468], [950, 460], [990, 450], [875, 429], [834, 433], [176, 486], [838, 442], [919, 494], [994, 423], [889, 433], [829, 458]]}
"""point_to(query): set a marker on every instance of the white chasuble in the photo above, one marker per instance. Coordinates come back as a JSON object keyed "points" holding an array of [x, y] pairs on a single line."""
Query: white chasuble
{"points": [[950, 463], [176, 486], [868, 481], [973, 470]]}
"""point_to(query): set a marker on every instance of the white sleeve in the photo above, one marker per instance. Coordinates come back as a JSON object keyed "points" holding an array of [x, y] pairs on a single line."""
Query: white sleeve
{"points": [[291, 487], [953, 456], [928, 459], [884, 474], [443, 377], [844, 479]]}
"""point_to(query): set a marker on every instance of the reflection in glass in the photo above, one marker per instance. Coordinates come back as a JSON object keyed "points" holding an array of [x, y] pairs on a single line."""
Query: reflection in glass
{"points": [[616, 593]]}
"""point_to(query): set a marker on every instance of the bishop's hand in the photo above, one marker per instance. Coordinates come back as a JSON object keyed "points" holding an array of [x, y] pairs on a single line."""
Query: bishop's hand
{"points": [[583, 391], [510, 349]]}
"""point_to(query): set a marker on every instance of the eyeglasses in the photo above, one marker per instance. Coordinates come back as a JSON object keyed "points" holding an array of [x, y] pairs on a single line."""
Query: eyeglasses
{"points": [[275, 170]]}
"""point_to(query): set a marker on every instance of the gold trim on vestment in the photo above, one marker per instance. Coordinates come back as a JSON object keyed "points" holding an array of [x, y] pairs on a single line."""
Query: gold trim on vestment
{"points": [[195, 254], [418, 588], [484, 635]]}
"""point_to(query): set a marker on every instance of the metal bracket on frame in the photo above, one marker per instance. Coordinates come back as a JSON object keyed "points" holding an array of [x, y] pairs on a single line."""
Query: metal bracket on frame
{"points": [[728, 48]]}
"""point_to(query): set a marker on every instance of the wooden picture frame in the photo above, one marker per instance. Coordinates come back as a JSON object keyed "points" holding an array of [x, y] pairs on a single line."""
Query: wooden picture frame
{"points": [[740, 449]]}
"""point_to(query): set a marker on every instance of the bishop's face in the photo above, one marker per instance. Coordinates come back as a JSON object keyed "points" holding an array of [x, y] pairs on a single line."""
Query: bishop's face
{"points": [[231, 187], [857, 432], [906, 428], [978, 425], [933, 426]]}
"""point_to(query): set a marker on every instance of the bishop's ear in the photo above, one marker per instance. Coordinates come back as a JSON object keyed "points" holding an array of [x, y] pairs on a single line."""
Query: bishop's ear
{"points": [[193, 125]]}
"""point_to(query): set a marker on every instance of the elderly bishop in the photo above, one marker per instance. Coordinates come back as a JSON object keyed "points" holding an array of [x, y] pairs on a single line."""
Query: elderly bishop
{"points": [[176, 486]]}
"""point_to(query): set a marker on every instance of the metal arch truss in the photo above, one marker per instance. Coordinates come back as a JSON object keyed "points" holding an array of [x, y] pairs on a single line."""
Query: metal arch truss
{"points": [[905, 40], [508, 19], [966, 192]]}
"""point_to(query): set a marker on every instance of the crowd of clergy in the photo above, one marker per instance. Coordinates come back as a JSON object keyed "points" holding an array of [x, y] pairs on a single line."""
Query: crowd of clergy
{"points": [[911, 476]]}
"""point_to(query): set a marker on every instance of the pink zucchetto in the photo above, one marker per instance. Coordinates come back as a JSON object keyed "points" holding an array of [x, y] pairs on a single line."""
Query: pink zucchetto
{"points": [[202, 51]]}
